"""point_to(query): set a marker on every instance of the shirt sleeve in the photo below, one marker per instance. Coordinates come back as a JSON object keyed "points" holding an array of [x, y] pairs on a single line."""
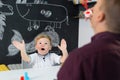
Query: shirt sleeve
{"points": [[32, 58], [70, 70], [55, 58]]}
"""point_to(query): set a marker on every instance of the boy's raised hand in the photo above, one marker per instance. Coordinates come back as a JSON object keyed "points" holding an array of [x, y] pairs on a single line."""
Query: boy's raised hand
{"points": [[19, 45], [63, 45]]}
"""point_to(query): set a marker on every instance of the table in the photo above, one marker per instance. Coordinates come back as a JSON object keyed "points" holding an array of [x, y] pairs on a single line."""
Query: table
{"points": [[47, 73]]}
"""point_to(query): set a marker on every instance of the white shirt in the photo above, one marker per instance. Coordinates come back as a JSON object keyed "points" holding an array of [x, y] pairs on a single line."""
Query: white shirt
{"points": [[48, 60]]}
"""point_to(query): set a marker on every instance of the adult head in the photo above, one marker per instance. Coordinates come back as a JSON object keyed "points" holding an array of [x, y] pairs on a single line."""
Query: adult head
{"points": [[105, 16]]}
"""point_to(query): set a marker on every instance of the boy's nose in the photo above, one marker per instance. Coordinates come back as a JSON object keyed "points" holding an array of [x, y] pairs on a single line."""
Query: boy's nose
{"points": [[42, 45]]}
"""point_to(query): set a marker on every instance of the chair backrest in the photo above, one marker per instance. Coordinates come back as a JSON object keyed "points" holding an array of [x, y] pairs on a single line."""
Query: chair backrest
{"points": [[14, 66], [25, 65]]}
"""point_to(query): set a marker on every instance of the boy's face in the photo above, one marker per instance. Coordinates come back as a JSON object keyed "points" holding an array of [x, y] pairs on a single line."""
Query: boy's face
{"points": [[43, 46]]}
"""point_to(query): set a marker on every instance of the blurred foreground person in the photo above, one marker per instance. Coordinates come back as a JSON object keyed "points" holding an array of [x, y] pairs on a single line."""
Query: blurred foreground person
{"points": [[99, 59]]}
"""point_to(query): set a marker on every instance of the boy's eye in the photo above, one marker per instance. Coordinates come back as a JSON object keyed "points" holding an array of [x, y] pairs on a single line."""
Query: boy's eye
{"points": [[40, 43], [46, 43]]}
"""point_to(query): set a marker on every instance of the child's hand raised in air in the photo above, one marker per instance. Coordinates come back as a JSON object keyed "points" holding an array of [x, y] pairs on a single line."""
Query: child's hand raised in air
{"points": [[19, 45], [63, 45]]}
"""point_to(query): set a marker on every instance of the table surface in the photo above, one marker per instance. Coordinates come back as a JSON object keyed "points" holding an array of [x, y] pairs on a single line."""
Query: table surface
{"points": [[48, 73]]}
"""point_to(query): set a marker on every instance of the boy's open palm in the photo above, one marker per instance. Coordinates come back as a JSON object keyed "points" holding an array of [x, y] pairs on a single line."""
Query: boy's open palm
{"points": [[19, 45], [63, 45]]}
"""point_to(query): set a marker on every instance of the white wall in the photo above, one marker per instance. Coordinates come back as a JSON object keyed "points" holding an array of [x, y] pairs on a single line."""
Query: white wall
{"points": [[85, 32]]}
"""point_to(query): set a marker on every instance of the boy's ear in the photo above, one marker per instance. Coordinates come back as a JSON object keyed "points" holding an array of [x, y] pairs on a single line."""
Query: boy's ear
{"points": [[50, 47], [35, 47]]}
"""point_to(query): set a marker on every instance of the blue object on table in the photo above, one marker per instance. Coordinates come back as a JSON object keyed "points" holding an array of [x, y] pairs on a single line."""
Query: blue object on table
{"points": [[26, 77]]}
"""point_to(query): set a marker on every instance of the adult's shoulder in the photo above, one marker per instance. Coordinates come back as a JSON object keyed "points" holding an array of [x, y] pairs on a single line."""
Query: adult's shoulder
{"points": [[86, 51]]}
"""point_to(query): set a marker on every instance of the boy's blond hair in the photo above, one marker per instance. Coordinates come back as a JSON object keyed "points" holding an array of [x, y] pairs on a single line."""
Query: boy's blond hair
{"points": [[39, 36]]}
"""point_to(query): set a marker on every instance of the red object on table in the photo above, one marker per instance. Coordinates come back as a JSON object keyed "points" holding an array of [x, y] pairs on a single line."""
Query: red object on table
{"points": [[22, 78]]}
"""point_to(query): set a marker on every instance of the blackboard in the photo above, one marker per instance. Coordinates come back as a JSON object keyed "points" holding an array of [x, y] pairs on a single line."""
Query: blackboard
{"points": [[24, 19]]}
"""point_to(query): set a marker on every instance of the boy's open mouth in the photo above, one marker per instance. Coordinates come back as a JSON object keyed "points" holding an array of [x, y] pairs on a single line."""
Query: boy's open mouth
{"points": [[43, 49]]}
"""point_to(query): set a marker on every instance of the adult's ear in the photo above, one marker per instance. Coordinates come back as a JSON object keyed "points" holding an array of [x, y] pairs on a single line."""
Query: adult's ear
{"points": [[101, 16]]}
